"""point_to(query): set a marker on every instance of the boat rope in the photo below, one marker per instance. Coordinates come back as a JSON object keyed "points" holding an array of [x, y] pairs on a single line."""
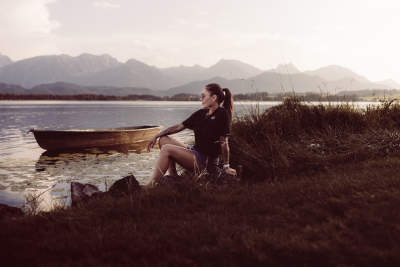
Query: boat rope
{"points": [[12, 140]]}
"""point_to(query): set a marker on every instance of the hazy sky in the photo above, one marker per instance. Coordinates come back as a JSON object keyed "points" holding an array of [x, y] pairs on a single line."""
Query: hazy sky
{"points": [[358, 34]]}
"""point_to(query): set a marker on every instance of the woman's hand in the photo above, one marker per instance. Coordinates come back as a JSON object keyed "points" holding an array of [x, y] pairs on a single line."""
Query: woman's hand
{"points": [[230, 171], [151, 143], [171, 130]]}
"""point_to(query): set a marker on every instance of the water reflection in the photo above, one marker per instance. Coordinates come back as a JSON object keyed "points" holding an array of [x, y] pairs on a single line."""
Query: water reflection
{"points": [[50, 158], [99, 166]]}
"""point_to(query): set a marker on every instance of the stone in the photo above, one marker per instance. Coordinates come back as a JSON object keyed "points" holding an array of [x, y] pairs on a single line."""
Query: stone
{"points": [[7, 211], [125, 186], [85, 192], [82, 192], [168, 180]]}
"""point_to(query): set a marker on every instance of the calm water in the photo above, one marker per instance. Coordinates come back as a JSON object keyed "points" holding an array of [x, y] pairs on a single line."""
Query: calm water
{"points": [[26, 168]]}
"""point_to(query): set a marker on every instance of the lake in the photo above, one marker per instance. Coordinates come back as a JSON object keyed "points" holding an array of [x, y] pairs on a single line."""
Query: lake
{"points": [[27, 168]]}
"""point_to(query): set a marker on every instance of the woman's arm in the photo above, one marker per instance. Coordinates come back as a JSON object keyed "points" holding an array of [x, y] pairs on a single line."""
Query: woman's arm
{"points": [[171, 130], [223, 141]]}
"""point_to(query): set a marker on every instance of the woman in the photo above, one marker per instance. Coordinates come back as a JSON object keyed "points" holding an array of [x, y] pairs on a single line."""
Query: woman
{"points": [[211, 126]]}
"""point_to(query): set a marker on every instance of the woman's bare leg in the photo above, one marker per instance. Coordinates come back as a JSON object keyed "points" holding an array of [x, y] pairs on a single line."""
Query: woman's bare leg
{"points": [[166, 140], [168, 153]]}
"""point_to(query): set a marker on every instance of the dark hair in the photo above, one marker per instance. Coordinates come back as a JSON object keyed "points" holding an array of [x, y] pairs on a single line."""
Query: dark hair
{"points": [[216, 89]]}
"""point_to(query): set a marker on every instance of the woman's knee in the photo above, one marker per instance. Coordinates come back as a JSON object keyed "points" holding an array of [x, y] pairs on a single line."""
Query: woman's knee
{"points": [[166, 148], [164, 140], [161, 141]]}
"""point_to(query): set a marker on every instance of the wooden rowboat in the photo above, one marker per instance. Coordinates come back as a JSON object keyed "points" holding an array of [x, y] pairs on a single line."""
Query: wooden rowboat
{"points": [[72, 139]]}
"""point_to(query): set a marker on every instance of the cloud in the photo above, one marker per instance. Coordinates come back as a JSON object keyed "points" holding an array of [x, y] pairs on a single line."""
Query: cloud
{"points": [[324, 27], [192, 24], [26, 29], [202, 12], [105, 5], [22, 17]]}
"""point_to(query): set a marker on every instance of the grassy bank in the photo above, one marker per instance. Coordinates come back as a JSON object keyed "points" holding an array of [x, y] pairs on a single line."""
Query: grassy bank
{"points": [[346, 217], [296, 137], [321, 188]]}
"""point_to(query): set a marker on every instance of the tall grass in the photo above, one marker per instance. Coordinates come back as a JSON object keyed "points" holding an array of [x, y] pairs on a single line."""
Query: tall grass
{"points": [[345, 217], [298, 137]]}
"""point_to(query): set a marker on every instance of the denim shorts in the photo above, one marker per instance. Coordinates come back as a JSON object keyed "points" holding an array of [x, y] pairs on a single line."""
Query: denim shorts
{"points": [[209, 164]]}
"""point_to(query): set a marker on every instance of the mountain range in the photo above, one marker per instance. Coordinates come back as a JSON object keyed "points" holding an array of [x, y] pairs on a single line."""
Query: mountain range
{"points": [[104, 74], [62, 88], [4, 61]]}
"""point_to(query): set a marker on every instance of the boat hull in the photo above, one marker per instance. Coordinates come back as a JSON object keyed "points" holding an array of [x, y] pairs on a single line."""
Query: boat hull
{"points": [[72, 139]]}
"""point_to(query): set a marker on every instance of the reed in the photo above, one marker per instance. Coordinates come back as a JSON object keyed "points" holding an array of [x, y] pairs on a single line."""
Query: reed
{"points": [[344, 217], [299, 137]]}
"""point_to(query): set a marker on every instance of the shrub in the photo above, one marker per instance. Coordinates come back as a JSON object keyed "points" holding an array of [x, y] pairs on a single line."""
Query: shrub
{"points": [[298, 137]]}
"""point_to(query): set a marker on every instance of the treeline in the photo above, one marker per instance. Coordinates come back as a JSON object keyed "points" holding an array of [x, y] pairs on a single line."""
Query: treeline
{"points": [[92, 97], [263, 96], [310, 97]]}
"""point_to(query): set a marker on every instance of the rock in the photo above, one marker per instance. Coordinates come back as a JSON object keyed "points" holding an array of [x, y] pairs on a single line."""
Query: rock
{"points": [[82, 192], [7, 211], [169, 180], [85, 192], [125, 186]]}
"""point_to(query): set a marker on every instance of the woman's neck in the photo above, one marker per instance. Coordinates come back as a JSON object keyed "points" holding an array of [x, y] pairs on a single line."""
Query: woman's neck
{"points": [[212, 108]]}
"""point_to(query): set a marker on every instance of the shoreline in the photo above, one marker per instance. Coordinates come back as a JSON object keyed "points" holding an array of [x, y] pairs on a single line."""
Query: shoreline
{"points": [[342, 216], [194, 101], [20, 177]]}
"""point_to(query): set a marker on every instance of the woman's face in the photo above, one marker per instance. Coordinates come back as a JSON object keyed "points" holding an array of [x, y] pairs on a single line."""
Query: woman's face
{"points": [[207, 99]]}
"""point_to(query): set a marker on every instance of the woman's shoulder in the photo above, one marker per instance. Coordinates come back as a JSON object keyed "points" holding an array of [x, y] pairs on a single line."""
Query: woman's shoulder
{"points": [[224, 112], [201, 111]]}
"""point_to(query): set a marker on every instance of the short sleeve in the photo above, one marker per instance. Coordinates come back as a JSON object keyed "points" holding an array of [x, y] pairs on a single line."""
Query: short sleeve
{"points": [[225, 124], [191, 121]]}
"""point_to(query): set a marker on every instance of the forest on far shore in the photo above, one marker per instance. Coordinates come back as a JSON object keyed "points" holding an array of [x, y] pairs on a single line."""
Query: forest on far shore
{"points": [[261, 96]]}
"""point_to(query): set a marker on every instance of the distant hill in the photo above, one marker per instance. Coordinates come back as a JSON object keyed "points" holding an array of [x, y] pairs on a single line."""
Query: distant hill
{"points": [[196, 86], [335, 72], [298, 82], [304, 83], [350, 84], [229, 69], [370, 92], [225, 68], [266, 82], [131, 74], [391, 83], [91, 70], [106, 72], [289, 68], [11, 88], [62, 88], [50, 69], [276, 83], [183, 74], [5, 60]]}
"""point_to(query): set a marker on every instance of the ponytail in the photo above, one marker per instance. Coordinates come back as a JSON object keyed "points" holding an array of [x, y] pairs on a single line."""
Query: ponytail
{"points": [[228, 101]]}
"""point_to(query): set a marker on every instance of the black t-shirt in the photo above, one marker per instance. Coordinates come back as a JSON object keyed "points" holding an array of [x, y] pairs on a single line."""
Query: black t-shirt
{"points": [[208, 129]]}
